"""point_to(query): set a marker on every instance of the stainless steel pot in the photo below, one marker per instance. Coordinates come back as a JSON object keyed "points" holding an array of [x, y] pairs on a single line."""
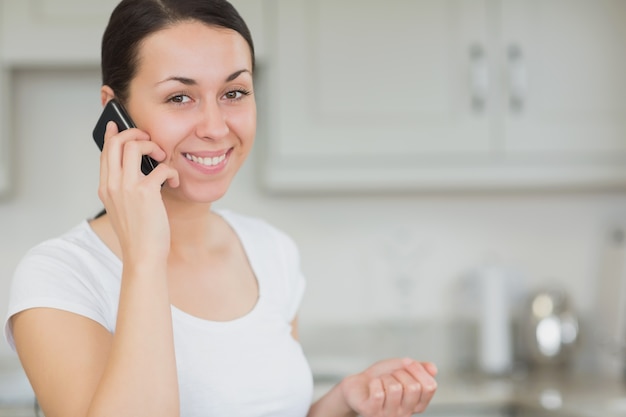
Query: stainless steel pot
{"points": [[551, 328]]}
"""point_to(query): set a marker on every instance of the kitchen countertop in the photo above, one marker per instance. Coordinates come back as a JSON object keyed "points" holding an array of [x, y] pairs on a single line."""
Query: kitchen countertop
{"points": [[558, 394], [549, 393]]}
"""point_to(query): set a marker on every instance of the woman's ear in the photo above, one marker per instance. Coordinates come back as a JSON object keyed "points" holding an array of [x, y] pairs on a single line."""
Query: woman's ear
{"points": [[106, 94]]}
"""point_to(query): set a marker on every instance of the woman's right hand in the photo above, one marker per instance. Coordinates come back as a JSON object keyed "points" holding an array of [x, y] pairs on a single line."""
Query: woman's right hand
{"points": [[133, 200]]}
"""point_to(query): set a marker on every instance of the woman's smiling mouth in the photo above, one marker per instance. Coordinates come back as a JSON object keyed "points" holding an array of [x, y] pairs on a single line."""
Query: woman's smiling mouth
{"points": [[206, 161]]}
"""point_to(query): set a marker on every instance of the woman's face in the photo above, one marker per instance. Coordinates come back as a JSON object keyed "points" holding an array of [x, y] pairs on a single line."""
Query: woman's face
{"points": [[192, 93]]}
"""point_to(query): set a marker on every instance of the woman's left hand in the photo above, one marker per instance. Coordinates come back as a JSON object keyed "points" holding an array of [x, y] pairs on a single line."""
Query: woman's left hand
{"points": [[391, 388]]}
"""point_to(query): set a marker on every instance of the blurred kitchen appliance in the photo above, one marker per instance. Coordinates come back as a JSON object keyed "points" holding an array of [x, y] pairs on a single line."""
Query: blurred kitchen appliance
{"points": [[495, 354], [551, 328], [609, 319], [487, 302]]}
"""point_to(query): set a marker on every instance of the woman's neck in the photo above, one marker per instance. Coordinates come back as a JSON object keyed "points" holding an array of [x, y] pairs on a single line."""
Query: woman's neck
{"points": [[194, 229]]}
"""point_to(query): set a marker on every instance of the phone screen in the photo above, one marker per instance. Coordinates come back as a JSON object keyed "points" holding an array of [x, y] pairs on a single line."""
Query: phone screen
{"points": [[115, 111]]}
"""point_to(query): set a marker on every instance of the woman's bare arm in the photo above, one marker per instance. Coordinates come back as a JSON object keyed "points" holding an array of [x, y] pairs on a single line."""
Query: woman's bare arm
{"points": [[78, 369]]}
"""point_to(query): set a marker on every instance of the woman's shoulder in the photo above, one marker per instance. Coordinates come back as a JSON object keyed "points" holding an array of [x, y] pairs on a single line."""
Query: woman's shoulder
{"points": [[275, 256], [69, 272], [77, 248], [261, 237], [78, 238]]}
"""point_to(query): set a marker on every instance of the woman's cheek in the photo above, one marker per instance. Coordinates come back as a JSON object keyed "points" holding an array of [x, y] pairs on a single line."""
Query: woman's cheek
{"points": [[168, 134], [246, 126]]}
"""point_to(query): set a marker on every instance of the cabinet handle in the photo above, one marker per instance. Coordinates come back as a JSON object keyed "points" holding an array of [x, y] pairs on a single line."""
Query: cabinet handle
{"points": [[479, 77], [518, 79]]}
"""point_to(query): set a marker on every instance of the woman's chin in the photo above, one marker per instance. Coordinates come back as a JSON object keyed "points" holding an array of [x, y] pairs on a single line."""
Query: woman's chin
{"points": [[198, 195]]}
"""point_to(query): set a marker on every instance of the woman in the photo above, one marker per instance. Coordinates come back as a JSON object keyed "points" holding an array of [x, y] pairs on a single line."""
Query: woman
{"points": [[163, 306]]}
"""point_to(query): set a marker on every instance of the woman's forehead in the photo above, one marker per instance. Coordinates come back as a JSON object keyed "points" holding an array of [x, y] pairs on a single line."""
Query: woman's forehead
{"points": [[193, 46]]}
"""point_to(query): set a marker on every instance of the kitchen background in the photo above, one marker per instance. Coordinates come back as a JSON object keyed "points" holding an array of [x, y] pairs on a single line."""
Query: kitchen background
{"points": [[449, 147]]}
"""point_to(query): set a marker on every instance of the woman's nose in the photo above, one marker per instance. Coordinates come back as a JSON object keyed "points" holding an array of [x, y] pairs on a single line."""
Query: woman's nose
{"points": [[212, 122]]}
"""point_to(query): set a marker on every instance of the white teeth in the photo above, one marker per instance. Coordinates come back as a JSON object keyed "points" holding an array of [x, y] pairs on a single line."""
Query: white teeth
{"points": [[206, 161]]}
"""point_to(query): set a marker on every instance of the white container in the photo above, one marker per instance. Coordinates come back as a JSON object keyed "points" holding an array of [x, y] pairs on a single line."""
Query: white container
{"points": [[495, 351]]}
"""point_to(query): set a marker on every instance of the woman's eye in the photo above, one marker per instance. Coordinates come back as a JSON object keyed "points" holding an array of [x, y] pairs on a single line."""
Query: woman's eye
{"points": [[180, 99], [236, 94]]}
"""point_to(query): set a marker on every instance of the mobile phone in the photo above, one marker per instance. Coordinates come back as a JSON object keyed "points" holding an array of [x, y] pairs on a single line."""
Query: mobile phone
{"points": [[114, 110]]}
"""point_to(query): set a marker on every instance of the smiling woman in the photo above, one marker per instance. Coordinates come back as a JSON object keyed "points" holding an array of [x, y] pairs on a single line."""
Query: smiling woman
{"points": [[164, 306]]}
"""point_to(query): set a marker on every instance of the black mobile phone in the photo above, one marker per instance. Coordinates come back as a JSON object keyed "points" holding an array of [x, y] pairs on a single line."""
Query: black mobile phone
{"points": [[114, 110]]}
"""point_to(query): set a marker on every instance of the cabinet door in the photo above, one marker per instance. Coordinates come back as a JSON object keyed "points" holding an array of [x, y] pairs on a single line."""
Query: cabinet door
{"points": [[374, 94], [565, 66], [44, 33], [52, 32]]}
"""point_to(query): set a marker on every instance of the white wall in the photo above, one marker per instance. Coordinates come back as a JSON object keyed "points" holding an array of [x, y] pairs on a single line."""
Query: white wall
{"points": [[546, 236]]}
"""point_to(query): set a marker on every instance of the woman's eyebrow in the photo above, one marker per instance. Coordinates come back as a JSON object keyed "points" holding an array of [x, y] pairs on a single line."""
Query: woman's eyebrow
{"points": [[182, 80], [237, 74], [191, 81]]}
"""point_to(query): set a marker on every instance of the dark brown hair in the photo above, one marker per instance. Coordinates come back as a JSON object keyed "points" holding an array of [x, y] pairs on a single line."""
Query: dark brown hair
{"points": [[133, 20]]}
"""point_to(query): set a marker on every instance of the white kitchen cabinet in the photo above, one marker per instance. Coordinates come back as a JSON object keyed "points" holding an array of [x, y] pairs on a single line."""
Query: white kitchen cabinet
{"points": [[441, 95], [69, 32], [44, 33], [52, 32], [573, 56]]}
